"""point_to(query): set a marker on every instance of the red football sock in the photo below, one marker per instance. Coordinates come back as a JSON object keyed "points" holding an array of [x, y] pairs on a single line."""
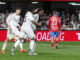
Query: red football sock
{"points": [[52, 44]]}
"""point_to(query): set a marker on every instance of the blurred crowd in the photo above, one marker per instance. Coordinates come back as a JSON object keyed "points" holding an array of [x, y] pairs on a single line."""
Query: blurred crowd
{"points": [[69, 21]]}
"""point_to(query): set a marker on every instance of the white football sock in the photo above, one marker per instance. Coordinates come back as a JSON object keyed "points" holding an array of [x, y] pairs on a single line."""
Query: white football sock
{"points": [[32, 44], [4, 46], [21, 45], [17, 43]]}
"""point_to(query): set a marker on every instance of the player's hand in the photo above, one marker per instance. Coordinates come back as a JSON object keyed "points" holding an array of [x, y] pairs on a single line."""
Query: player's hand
{"points": [[39, 24], [9, 27], [19, 26]]}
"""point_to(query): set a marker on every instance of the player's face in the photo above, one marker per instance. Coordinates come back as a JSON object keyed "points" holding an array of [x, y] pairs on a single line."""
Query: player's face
{"points": [[41, 12], [18, 11]]}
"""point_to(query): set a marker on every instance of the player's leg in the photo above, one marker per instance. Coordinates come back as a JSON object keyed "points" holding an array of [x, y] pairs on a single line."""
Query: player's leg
{"points": [[35, 39], [57, 39], [15, 31], [24, 39], [32, 47], [15, 46], [17, 42], [31, 35], [52, 43], [4, 46], [21, 44], [21, 47], [52, 35], [6, 41]]}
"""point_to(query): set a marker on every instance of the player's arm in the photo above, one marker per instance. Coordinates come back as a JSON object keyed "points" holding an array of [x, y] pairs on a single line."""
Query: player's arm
{"points": [[8, 19], [59, 24], [49, 23], [37, 24], [17, 23], [33, 21]]}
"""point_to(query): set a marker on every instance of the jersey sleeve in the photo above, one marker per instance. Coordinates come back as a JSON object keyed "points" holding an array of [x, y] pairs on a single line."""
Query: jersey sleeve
{"points": [[59, 23], [36, 17], [8, 19], [11, 21], [17, 23], [49, 23], [29, 17]]}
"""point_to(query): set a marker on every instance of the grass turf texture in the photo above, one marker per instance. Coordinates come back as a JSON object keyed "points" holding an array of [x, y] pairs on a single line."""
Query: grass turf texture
{"points": [[67, 51]]}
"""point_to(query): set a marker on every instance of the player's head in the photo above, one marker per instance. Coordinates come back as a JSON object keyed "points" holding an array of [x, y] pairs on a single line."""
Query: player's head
{"points": [[33, 9], [40, 11], [18, 10], [54, 12]]}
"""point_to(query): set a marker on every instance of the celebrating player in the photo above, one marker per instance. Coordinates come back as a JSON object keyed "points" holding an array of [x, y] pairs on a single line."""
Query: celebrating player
{"points": [[13, 22], [54, 28], [36, 17], [26, 29]]}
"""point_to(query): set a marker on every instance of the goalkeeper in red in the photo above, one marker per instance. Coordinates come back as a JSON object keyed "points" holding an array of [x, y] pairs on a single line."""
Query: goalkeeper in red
{"points": [[54, 28]]}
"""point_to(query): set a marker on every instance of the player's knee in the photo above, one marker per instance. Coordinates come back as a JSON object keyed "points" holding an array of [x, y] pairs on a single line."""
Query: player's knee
{"points": [[32, 38], [20, 38], [5, 41], [57, 38]]}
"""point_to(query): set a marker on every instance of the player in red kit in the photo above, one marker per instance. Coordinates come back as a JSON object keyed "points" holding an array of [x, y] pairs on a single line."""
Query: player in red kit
{"points": [[54, 28]]}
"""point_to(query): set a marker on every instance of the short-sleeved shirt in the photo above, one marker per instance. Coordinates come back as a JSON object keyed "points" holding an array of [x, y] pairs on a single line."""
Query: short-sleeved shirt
{"points": [[28, 20], [36, 18], [13, 19], [53, 24]]}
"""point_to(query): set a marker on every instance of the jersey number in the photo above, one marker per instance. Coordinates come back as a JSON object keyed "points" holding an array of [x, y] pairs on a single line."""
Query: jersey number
{"points": [[25, 18], [54, 21]]}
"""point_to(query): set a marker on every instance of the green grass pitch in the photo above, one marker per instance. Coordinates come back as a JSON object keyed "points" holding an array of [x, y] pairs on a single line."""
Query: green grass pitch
{"points": [[66, 51]]}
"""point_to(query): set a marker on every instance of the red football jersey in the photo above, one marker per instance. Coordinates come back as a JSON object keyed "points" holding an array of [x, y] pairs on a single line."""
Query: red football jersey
{"points": [[54, 24]]}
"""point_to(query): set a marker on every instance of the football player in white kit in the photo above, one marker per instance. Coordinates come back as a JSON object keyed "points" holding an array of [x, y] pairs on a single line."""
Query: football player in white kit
{"points": [[36, 16], [26, 29], [13, 22]]}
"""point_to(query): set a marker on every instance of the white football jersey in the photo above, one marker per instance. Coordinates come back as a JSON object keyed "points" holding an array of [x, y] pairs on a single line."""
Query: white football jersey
{"points": [[13, 19], [36, 18], [28, 20]]}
